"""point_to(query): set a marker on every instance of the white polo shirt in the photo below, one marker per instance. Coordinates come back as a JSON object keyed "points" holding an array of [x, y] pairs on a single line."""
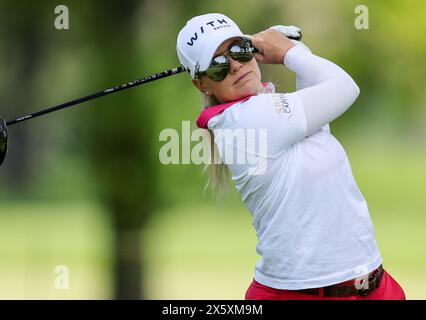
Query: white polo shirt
{"points": [[312, 222]]}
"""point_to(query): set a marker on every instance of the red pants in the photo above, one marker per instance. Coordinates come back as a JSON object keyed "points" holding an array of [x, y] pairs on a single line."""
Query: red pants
{"points": [[389, 289]]}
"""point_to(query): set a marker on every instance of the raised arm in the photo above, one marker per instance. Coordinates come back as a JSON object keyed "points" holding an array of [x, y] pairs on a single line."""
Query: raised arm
{"points": [[329, 90], [325, 90], [302, 82]]}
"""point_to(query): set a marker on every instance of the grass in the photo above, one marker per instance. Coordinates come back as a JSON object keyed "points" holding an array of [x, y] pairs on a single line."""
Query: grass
{"points": [[192, 252], [199, 251], [203, 253], [35, 238], [213, 256]]}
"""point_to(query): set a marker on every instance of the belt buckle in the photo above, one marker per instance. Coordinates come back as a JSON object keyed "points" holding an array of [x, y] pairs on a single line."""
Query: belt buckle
{"points": [[364, 292], [372, 279]]}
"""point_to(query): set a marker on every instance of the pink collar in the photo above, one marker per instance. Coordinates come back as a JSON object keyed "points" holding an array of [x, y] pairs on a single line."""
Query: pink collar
{"points": [[210, 112]]}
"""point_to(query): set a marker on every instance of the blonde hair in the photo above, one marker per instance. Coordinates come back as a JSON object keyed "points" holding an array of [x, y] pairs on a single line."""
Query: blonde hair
{"points": [[218, 171]]}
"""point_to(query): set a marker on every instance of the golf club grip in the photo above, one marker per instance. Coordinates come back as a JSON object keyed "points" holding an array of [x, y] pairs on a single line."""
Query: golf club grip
{"points": [[296, 38], [124, 86]]}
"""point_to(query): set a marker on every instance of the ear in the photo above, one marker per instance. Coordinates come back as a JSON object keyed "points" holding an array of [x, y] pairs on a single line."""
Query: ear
{"points": [[199, 84]]}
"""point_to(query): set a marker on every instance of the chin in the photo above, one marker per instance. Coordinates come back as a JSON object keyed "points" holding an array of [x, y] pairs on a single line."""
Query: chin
{"points": [[252, 88]]}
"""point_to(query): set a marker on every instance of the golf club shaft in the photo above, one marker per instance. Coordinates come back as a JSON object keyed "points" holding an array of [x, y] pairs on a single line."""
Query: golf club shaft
{"points": [[128, 85]]}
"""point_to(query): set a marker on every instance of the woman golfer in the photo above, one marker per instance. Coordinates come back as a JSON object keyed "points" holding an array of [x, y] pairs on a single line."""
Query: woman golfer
{"points": [[315, 235]]}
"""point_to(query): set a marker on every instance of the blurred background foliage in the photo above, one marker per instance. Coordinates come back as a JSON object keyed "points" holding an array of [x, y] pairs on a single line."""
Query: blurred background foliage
{"points": [[85, 188]]}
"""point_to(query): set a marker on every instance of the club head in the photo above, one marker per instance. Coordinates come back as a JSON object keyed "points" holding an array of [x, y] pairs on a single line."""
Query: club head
{"points": [[3, 140]]}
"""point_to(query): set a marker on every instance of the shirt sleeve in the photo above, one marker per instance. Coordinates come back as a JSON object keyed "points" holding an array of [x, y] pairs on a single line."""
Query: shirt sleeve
{"points": [[301, 82], [324, 89]]}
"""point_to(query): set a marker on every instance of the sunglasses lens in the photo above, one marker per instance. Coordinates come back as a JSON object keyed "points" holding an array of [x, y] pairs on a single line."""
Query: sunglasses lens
{"points": [[242, 52], [3, 140], [219, 68]]}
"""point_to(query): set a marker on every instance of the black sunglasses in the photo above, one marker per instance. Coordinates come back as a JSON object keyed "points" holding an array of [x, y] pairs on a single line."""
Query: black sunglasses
{"points": [[240, 50]]}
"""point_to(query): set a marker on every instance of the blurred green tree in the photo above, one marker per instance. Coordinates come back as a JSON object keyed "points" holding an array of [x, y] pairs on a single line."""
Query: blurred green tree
{"points": [[120, 140], [22, 50]]}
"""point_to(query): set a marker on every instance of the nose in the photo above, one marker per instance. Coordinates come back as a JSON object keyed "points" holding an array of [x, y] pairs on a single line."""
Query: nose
{"points": [[234, 65]]}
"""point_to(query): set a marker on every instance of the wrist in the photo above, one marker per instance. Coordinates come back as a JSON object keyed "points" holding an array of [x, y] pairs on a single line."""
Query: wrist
{"points": [[291, 54], [287, 49]]}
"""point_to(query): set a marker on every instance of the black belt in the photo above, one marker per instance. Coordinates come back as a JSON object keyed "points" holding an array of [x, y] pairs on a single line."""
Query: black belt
{"points": [[348, 290]]}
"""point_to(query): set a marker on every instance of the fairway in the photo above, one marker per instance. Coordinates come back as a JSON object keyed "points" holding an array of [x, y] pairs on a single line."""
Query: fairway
{"points": [[212, 257], [200, 251]]}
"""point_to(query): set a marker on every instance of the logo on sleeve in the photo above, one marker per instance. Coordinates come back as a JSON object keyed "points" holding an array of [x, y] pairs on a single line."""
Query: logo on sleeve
{"points": [[281, 103]]}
